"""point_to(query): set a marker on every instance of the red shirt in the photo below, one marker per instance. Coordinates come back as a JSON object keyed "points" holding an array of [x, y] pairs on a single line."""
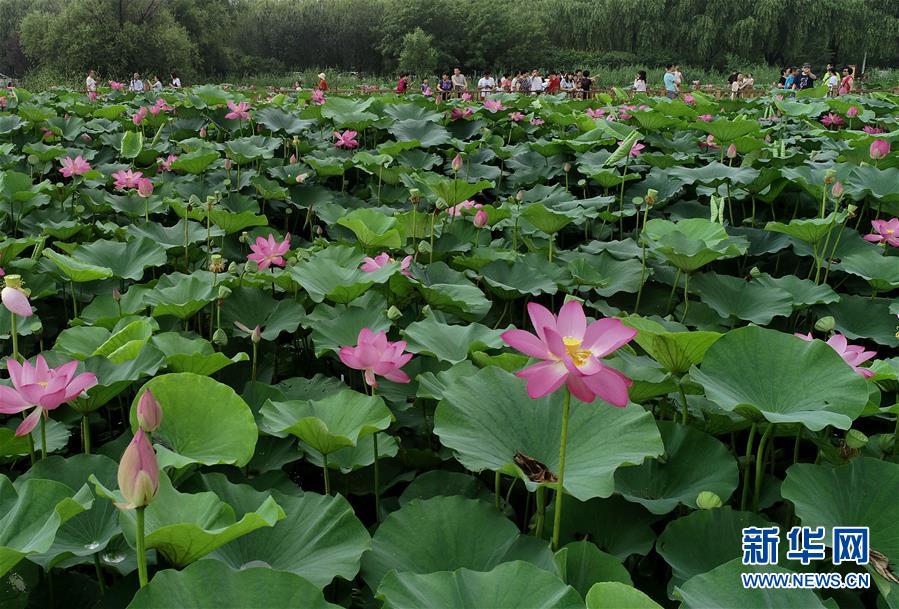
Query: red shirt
{"points": [[323, 85], [553, 85], [401, 85]]}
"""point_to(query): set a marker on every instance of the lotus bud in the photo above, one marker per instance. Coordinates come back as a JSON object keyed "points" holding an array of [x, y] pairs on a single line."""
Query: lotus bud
{"points": [[732, 151], [885, 442], [754, 272], [292, 159], [879, 149], [116, 295], [837, 190], [203, 132], [138, 473], [149, 413], [426, 310], [144, 187], [14, 297], [302, 177], [393, 313], [829, 176], [457, 163], [650, 197], [856, 439], [220, 337], [566, 167], [216, 263], [318, 231], [228, 164], [825, 324], [852, 111], [707, 500], [481, 218], [519, 196]]}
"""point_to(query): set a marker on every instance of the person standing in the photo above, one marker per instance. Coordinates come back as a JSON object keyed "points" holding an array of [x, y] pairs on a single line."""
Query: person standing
{"points": [[460, 83], [486, 85], [553, 83], [585, 85], [833, 82], [91, 85], [176, 82], [402, 85], [444, 88], [640, 82], [505, 84], [537, 84], [670, 81], [848, 81], [322, 82], [805, 80], [136, 85]]}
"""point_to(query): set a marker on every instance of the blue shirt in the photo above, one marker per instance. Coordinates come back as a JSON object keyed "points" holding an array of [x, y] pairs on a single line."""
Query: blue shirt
{"points": [[669, 81], [788, 83]]}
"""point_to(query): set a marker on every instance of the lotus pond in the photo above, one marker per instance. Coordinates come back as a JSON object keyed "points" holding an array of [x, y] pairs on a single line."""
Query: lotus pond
{"points": [[314, 352]]}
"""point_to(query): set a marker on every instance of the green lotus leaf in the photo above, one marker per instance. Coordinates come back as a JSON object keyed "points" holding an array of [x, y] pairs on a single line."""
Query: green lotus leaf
{"points": [[600, 438], [804, 292], [337, 326], [880, 184], [441, 483], [448, 290], [425, 132], [170, 237], [329, 424], [790, 380], [203, 421], [675, 351], [373, 229], [75, 270], [692, 243], [531, 275], [550, 222], [693, 462], [511, 584], [726, 130], [605, 274], [334, 273], [350, 113], [800, 109], [196, 161], [132, 144], [582, 564], [615, 525], [732, 297], [231, 223], [253, 307], [450, 191], [445, 534], [10, 124], [182, 295], [43, 152], [352, 458], [196, 355], [864, 317], [809, 230], [615, 595], [246, 150], [279, 120], [212, 583], [114, 378], [31, 513], [449, 343], [127, 343]]}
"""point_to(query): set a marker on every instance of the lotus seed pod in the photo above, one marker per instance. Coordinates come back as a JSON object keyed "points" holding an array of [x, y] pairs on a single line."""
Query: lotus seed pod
{"points": [[393, 313], [829, 176], [754, 272], [851, 209], [825, 324], [232, 267], [856, 439], [220, 337], [885, 442], [707, 500], [650, 197], [414, 196]]}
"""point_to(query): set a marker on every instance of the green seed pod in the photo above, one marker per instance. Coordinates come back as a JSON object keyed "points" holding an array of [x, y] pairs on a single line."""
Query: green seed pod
{"points": [[885, 442], [856, 439], [220, 337], [825, 324], [707, 500], [393, 313]]}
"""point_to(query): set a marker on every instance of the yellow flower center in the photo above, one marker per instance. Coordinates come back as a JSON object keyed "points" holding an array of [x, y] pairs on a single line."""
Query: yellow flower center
{"points": [[890, 231], [573, 347], [43, 384]]}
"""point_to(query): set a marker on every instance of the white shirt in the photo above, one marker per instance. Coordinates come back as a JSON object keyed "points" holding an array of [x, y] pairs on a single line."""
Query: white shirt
{"points": [[536, 84], [486, 83], [176, 83], [157, 86], [91, 84], [640, 85], [136, 85], [566, 85], [833, 81]]}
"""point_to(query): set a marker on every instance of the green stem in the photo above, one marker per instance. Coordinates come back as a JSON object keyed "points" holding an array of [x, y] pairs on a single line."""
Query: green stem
{"points": [[497, 487], [760, 466], [99, 574], [685, 413], [560, 489], [74, 301], [746, 465], [15, 336], [255, 354], [671, 295], [377, 475], [326, 474], [43, 436], [541, 510], [796, 445], [141, 548], [433, 219], [686, 296], [86, 434]]}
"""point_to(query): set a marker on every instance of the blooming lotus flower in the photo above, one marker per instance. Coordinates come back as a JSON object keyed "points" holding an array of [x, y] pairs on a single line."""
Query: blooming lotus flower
{"points": [[238, 111], [689, 99], [370, 265], [74, 167], [456, 210], [466, 96], [318, 97], [15, 300], [481, 218], [885, 232], [597, 113], [879, 149], [635, 150], [493, 105], [854, 355], [166, 164], [709, 142], [571, 352], [268, 252], [144, 187], [42, 388], [852, 111], [458, 113], [706, 118], [346, 140], [138, 473], [516, 117], [832, 120], [537, 121], [149, 413], [872, 130], [138, 117], [116, 86], [160, 106], [377, 356], [127, 179]]}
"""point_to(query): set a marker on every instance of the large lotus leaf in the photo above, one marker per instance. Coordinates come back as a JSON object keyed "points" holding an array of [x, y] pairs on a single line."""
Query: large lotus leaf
{"points": [[75, 270], [351, 458], [425, 132], [88, 532], [615, 525], [861, 493], [231, 223], [351, 113], [250, 149], [182, 295], [113, 378], [605, 274], [320, 538], [441, 483], [799, 109], [31, 513], [615, 595], [726, 130], [864, 317], [449, 343], [450, 291], [704, 539], [766, 374], [372, 228], [675, 351], [253, 307], [880, 184], [721, 587], [210, 583], [550, 222], [693, 462], [713, 174], [600, 438], [279, 120], [809, 230], [10, 123], [804, 292], [451, 191], [732, 297], [511, 584], [880, 271], [336, 421], [337, 326], [185, 527], [691, 243], [196, 355], [334, 273], [170, 237], [203, 421], [582, 564], [531, 275], [132, 144], [127, 343], [196, 161], [127, 260], [448, 533]]}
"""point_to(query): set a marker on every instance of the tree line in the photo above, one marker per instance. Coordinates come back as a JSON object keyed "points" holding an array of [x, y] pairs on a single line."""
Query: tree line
{"points": [[218, 38]]}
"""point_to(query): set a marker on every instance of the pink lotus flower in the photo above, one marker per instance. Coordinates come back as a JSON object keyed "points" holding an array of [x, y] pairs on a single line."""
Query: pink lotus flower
{"points": [[708, 143], [493, 105], [268, 252], [74, 167], [624, 116], [466, 96], [3, 102], [160, 106], [832, 120], [854, 355], [731, 151], [872, 130], [456, 163], [852, 112], [15, 301], [879, 149], [138, 473], [537, 121], [597, 113], [144, 187], [346, 140], [127, 179], [885, 232], [636, 148], [481, 218], [255, 334], [42, 388], [149, 413], [166, 163], [138, 117], [318, 97], [377, 356], [516, 117], [202, 132], [458, 113], [572, 353], [706, 118], [116, 86], [238, 111], [689, 99], [370, 265], [456, 210]]}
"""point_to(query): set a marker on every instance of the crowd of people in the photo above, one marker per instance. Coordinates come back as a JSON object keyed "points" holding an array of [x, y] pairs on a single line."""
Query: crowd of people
{"points": [[794, 79], [136, 84]]}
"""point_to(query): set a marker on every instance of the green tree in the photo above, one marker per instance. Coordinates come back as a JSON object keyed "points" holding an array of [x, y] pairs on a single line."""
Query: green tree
{"points": [[418, 55]]}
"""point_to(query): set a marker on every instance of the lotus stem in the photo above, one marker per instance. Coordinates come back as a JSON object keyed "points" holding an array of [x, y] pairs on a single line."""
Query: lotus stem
{"points": [[326, 475], [760, 466], [86, 434], [74, 300], [43, 436], [497, 484], [541, 511], [685, 412], [141, 548], [255, 355], [560, 491], [796, 445], [99, 574], [746, 464], [686, 297], [14, 334], [377, 466], [671, 295]]}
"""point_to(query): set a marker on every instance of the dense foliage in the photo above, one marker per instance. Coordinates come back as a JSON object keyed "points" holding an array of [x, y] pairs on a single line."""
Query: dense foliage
{"points": [[281, 337], [217, 37]]}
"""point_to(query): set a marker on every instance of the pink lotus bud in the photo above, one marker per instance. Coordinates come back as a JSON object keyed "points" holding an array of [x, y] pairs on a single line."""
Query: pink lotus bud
{"points": [[732, 151], [852, 111], [879, 149], [228, 164], [116, 294], [292, 159], [14, 298], [149, 413], [481, 218], [457, 162], [837, 190], [302, 178], [86, 138], [138, 472], [144, 187], [203, 132]]}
